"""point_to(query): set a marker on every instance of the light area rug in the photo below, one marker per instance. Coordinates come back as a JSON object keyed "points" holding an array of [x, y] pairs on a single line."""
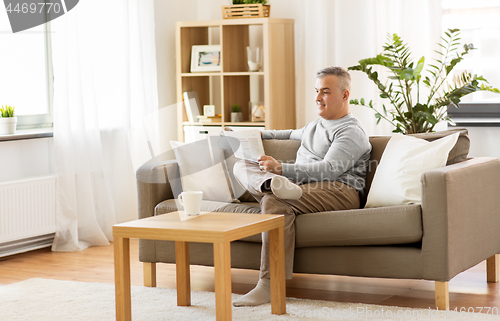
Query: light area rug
{"points": [[43, 299]]}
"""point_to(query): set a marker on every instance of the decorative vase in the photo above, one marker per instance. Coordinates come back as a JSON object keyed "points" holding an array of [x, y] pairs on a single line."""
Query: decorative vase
{"points": [[8, 125], [254, 58], [257, 112], [237, 117]]}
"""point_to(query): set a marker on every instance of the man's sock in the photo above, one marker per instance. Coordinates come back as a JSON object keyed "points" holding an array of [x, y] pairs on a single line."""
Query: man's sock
{"points": [[266, 186], [261, 294], [284, 189]]}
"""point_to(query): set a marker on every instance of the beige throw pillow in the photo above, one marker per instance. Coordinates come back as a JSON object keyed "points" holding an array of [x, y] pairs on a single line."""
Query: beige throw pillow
{"points": [[202, 167], [405, 159]]}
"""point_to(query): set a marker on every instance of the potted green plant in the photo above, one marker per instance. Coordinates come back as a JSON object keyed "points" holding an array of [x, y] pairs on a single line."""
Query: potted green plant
{"points": [[8, 120], [412, 113], [236, 114]]}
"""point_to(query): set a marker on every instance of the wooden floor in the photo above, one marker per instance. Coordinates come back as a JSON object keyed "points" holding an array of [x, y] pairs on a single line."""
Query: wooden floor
{"points": [[95, 264]]}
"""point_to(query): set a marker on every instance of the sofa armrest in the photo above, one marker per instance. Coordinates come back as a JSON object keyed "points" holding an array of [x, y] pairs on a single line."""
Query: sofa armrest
{"points": [[460, 216], [157, 180]]}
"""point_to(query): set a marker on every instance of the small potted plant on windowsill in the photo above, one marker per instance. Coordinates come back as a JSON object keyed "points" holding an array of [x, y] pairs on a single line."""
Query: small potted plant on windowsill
{"points": [[7, 120], [236, 114]]}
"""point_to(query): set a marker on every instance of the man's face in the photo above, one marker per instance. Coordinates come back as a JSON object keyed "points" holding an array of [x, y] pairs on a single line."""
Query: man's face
{"points": [[331, 102]]}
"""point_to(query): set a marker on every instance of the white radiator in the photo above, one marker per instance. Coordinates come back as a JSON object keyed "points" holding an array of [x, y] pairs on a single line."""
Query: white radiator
{"points": [[27, 214]]}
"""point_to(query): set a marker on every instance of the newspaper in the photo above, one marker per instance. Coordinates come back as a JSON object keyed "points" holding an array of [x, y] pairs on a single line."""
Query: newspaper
{"points": [[247, 144]]}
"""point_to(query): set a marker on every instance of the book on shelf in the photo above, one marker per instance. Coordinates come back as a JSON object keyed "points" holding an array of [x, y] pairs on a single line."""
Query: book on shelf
{"points": [[210, 119], [246, 144], [192, 104]]}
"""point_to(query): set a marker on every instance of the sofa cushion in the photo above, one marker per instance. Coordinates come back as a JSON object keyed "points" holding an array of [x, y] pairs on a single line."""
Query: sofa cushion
{"points": [[457, 154], [372, 226], [405, 159], [203, 167], [284, 151]]}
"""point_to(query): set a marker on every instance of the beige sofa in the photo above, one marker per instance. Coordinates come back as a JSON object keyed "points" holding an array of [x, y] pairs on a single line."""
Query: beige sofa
{"points": [[454, 228]]}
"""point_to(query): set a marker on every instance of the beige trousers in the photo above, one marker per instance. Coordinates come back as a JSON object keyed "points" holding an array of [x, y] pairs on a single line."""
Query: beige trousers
{"points": [[316, 197]]}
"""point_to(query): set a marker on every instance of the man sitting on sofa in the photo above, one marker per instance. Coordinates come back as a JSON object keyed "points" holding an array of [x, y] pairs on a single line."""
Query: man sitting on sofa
{"points": [[329, 172]]}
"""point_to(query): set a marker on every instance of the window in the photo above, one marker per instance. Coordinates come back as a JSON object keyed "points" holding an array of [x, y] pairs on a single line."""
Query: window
{"points": [[479, 23], [26, 73]]}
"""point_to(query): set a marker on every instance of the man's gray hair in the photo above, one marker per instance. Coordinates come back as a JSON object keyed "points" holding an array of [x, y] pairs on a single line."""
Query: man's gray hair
{"points": [[341, 73]]}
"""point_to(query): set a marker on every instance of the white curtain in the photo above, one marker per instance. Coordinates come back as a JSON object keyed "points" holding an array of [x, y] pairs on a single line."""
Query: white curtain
{"points": [[104, 84]]}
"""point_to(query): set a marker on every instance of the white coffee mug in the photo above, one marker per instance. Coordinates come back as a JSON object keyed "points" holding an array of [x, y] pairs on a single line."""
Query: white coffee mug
{"points": [[191, 201]]}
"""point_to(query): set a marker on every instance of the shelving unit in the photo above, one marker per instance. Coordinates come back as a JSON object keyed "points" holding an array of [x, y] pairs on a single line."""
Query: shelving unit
{"points": [[232, 85]]}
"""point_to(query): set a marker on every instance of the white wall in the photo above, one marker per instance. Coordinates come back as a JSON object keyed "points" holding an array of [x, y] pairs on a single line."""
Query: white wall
{"points": [[327, 32], [343, 33], [166, 14], [22, 159], [484, 141]]}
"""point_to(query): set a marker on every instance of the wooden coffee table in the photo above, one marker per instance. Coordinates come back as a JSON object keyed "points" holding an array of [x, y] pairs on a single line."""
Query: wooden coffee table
{"points": [[217, 228]]}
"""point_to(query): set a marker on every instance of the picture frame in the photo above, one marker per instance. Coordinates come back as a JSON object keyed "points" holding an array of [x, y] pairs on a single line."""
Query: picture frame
{"points": [[206, 58]]}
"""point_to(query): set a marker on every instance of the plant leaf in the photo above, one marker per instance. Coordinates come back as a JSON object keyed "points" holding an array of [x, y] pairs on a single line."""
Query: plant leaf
{"points": [[407, 74], [379, 60], [418, 68]]}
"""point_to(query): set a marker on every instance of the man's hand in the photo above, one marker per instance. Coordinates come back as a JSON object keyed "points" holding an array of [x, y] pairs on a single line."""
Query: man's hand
{"points": [[269, 164]]}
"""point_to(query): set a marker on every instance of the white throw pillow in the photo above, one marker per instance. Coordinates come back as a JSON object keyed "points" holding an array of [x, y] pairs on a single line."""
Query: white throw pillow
{"points": [[202, 167], [405, 159]]}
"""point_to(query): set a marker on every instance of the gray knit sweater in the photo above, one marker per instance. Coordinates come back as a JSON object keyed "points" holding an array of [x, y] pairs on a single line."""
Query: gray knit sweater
{"points": [[330, 150]]}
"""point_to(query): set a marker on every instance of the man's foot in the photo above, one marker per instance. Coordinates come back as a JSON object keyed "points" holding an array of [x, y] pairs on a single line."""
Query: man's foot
{"points": [[284, 189], [261, 294]]}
